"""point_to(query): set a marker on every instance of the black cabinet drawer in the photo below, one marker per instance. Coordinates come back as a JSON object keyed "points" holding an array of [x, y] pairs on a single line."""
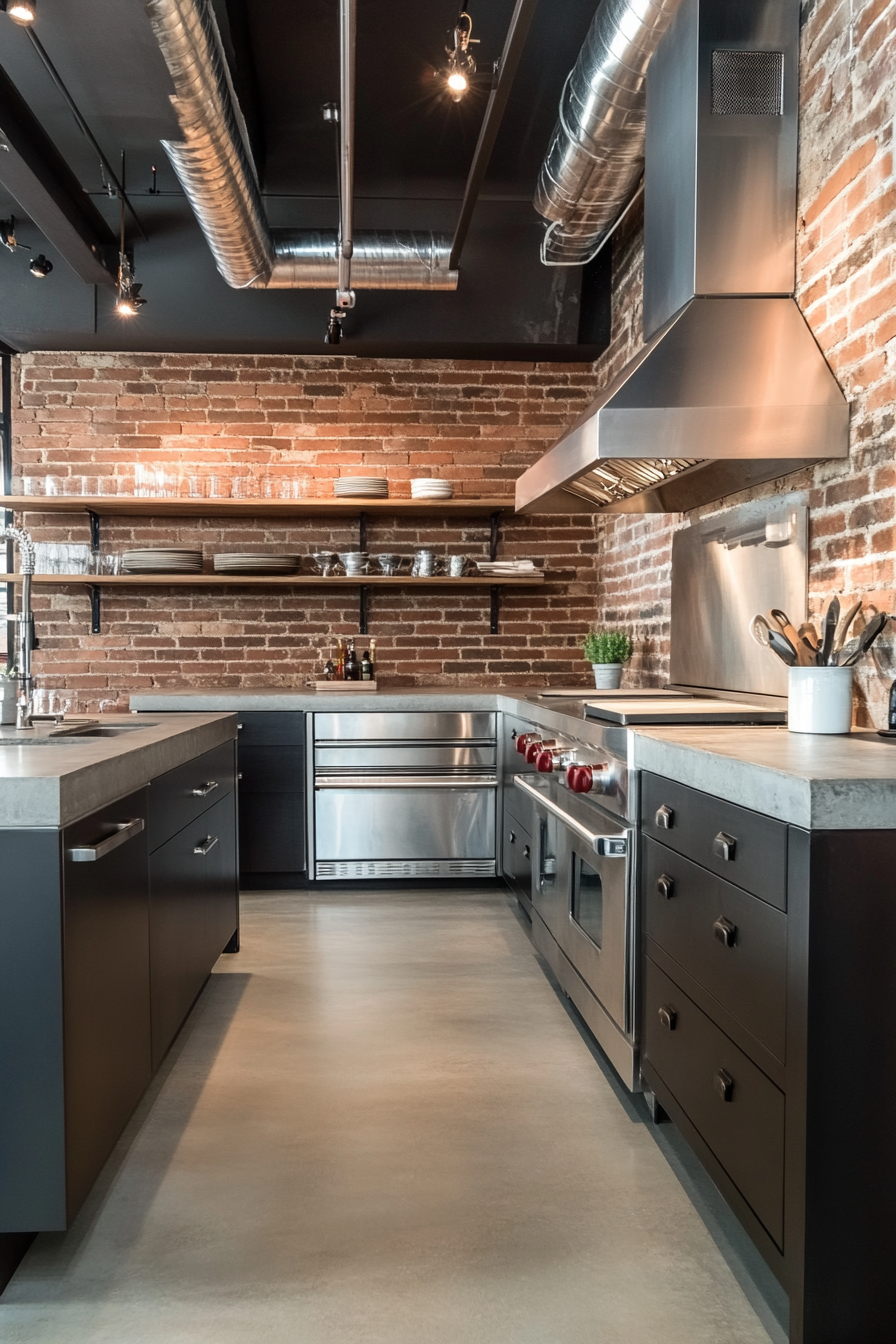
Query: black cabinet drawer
{"points": [[272, 833], [741, 846], [183, 794], [271, 769], [263, 728], [734, 945], [737, 1110], [519, 806]]}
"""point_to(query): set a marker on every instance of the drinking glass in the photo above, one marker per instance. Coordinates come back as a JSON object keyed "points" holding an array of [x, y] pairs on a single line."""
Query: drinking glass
{"points": [[110, 563], [456, 566], [219, 487], [53, 485], [33, 485]]}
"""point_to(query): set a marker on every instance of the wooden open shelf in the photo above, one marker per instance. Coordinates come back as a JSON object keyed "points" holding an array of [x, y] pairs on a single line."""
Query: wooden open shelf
{"points": [[272, 581], [108, 506]]}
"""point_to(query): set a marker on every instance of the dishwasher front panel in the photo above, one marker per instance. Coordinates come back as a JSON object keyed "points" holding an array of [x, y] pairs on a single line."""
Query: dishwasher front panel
{"points": [[417, 823]]}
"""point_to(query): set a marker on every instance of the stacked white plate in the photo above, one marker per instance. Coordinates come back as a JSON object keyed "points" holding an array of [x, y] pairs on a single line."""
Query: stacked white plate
{"points": [[509, 569], [256, 564], [366, 487], [425, 487], [171, 561]]}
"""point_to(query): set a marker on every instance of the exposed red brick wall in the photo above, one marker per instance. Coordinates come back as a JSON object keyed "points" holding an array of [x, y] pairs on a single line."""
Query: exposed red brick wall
{"points": [[846, 287], [477, 424]]}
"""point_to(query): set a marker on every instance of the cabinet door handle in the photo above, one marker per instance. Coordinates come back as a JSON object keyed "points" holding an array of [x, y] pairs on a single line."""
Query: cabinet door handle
{"points": [[124, 831], [724, 846], [724, 931], [665, 885], [205, 789], [526, 852], [724, 1084], [206, 846], [665, 818], [668, 1017], [512, 837]]}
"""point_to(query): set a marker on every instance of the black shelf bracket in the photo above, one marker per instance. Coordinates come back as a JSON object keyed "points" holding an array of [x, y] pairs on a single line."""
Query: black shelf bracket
{"points": [[493, 618], [493, 539], [362, 537], [95, 609], [362, 610], [94, 529]]}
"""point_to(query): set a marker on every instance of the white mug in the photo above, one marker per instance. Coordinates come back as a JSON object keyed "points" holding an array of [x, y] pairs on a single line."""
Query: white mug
{"points": [[819, 699]]}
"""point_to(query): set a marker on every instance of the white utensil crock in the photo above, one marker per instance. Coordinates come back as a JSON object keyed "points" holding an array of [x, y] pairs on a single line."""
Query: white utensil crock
{"points": [[607, 676], [819, 699]]}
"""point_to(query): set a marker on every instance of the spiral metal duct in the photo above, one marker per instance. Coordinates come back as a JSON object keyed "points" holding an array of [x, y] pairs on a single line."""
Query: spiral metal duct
{"points": [[596, 154], [214, 166]]}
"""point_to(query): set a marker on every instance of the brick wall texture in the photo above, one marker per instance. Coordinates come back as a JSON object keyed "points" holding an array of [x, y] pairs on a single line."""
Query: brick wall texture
{"points": [[476, 424], [480, 424]]}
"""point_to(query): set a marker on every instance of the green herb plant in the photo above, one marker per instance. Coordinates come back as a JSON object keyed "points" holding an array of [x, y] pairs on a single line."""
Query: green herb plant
{"points": [[607, 646]]}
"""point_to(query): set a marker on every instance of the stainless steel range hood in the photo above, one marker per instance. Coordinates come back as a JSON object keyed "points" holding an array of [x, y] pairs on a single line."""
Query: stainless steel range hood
{"points": [[730, 388]]}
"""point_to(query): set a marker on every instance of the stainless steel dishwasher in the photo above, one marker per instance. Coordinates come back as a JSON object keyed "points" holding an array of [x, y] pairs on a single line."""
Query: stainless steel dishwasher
{"points": [[404, 795]]}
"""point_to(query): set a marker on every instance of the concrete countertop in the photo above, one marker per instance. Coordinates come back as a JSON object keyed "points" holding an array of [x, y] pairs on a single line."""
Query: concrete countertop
{"points": [[821, 783], [843, 783], [55, 783]]}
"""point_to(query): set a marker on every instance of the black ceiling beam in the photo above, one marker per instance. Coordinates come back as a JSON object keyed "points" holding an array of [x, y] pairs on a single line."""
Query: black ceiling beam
{"points": [[37, 177], [520, 23]]}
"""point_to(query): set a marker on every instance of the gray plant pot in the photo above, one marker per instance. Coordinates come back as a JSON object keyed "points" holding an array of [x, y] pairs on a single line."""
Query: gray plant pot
{"points": [[607, 676], [9, 691]]}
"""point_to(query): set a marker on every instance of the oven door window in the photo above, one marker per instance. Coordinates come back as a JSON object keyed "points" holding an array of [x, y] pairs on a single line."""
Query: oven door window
{"points": [[587, 904]]}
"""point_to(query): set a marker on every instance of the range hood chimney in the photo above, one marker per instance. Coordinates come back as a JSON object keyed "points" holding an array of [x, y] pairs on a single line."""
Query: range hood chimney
{"points": [[730, 388]]}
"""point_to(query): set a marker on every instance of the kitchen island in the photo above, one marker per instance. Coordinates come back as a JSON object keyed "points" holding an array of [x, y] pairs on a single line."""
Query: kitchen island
{"points": [[119, 892]]}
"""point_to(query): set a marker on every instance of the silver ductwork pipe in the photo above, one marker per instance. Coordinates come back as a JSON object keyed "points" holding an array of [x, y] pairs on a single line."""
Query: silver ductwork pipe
{"points": [[214, 166], [596, 155]]}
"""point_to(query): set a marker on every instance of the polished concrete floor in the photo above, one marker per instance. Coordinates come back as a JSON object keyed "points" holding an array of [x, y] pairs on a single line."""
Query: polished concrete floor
{"points": [[382, 1125]]}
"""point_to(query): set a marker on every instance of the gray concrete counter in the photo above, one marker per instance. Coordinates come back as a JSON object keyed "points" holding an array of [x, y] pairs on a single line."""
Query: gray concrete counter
{"points": [[55, 783]]}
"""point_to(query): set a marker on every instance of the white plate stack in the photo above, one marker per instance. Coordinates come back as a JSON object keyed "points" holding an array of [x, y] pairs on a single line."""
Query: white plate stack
{"points": [[256, 564], [428, 487], [171, 561], [510, 569], [363, 487]]}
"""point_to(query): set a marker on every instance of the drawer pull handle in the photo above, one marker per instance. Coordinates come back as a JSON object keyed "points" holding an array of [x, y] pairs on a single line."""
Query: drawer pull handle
{"points": [[123, 832], [665, 885], [725, 931], [665, 818], [512, 837], [724, 846], [668, 1017], [724, 1085], [204, 790], [205, 846], [526, 851]]}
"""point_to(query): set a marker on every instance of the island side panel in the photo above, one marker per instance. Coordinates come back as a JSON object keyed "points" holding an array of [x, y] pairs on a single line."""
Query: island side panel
{"points": [[32, 1113]]}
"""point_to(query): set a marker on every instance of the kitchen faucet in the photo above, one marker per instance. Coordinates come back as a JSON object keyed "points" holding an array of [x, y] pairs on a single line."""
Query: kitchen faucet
{"points": [[24, 621]]}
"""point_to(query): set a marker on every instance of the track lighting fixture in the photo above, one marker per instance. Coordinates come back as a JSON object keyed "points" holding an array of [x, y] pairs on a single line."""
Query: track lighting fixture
{"points": [[128, 302], [8, 233], [334, 329], [39, 266], [461, 67], [20, 11]]}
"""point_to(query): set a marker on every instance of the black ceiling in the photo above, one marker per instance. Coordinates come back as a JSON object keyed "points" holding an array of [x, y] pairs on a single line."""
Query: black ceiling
{"points": [[414, 148]]}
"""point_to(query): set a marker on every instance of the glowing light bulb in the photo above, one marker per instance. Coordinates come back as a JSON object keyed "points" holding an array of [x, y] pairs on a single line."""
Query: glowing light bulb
{"points": [[21, 11], [457, 82]]}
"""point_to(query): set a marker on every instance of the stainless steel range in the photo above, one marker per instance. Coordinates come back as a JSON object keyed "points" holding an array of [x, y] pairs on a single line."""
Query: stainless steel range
{"points": [[585, 799]]}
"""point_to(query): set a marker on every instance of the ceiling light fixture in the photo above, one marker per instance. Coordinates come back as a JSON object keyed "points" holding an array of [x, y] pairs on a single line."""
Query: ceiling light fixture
{"points": [[21, 11], [129, 302], [40, 267], [8, 233], [461, 66]]}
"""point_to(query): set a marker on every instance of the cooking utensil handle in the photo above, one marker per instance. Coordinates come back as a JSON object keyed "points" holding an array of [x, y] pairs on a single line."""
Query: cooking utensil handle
{"points": [[124, 831], [601, 844], [405, 782]]}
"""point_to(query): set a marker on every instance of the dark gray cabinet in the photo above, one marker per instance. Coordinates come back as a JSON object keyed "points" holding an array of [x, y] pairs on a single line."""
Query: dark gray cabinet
{"points": [[768, 1037], [272, 823]]}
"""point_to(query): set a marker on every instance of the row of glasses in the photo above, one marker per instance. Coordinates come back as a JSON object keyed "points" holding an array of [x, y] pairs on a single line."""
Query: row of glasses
{"points": [[171, 483], [56, 557]]}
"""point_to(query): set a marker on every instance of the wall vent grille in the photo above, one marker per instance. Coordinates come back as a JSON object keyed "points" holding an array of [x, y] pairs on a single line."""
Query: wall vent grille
{"points": [[748, 83]]}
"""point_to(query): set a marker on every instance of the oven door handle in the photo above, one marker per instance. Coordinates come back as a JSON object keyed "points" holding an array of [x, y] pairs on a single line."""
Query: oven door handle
{"points": [[610, 846], [405, 782]]}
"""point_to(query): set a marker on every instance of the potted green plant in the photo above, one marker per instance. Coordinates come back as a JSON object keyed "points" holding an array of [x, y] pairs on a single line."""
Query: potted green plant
{"points": [[606, 651]]}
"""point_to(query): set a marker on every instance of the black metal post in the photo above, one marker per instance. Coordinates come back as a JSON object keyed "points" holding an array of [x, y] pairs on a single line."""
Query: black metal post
{"points": [[6, 469], [493, 621], [94, 529], [493, 540], [95, 609], [362, 531], [362, 610]]}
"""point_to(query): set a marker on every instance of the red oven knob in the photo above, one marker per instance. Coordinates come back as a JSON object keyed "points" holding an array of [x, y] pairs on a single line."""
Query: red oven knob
{"points": [[535, 747], [580, 778], [544, 762], [523, 741]]}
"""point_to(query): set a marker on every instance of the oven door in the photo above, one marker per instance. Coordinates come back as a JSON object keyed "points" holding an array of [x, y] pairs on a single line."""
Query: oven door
{"points": [[596, 930], [434, 825]]}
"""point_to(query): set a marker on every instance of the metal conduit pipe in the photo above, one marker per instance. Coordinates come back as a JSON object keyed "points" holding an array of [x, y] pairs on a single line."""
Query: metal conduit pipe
{"points": [[214, 166], [596, 154]]}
